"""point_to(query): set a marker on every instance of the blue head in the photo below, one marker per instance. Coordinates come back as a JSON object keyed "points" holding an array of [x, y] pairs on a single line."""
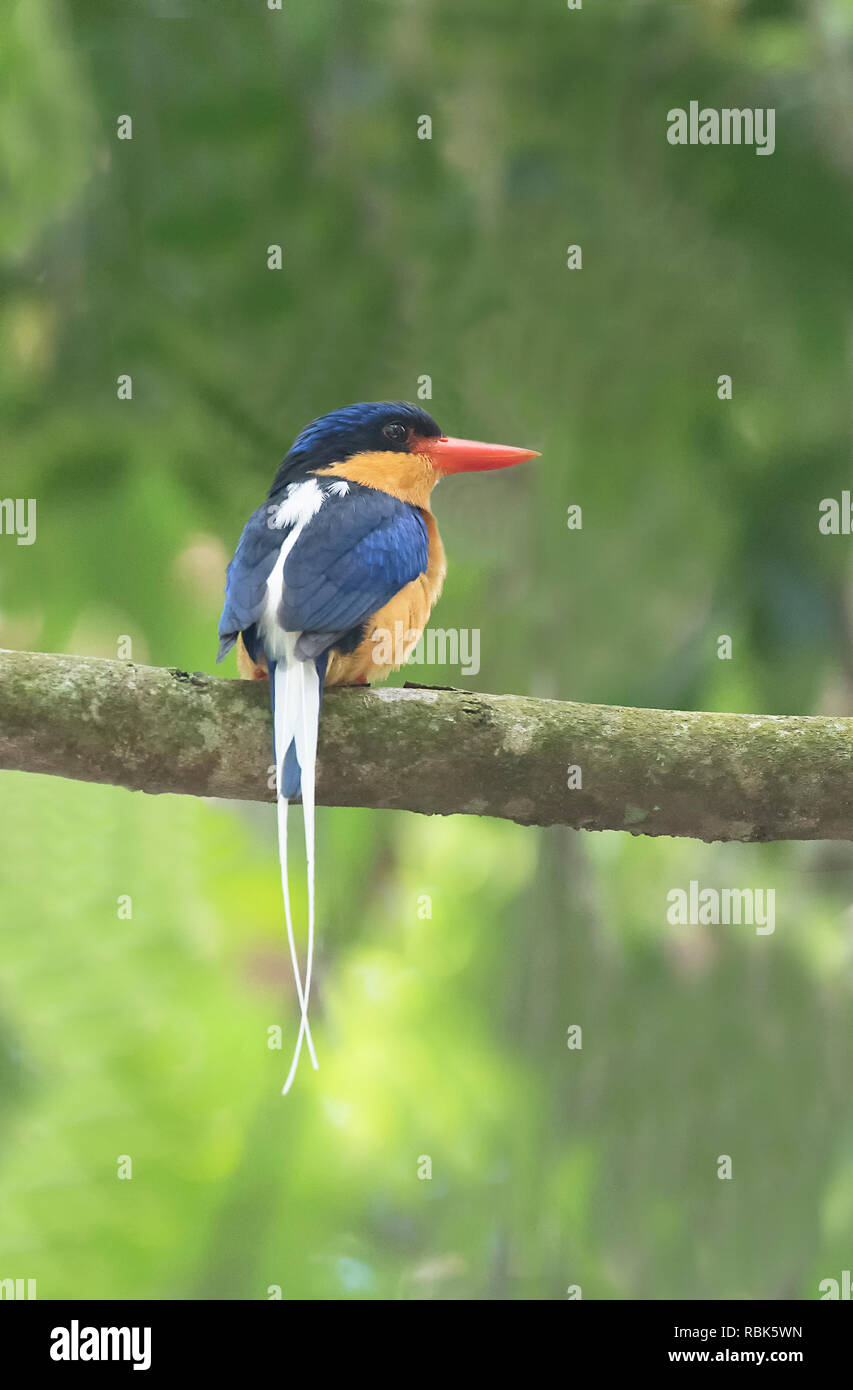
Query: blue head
{"points": [[369, 427]]}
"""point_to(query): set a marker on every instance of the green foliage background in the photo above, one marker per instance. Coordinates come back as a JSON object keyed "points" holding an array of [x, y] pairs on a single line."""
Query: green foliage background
{"points": [[444, 1036]]}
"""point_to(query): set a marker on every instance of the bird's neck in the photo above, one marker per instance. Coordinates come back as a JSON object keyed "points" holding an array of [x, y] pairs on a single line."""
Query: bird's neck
{"points": [[411, 477]]}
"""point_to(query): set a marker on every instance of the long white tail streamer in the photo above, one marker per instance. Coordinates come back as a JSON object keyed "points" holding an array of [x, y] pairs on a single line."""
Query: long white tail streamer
{"points": [[307, 722], [297, 709]]}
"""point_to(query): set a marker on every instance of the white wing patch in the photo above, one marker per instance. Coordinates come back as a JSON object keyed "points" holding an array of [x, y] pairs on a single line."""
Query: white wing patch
{"points": [[302, 502]]}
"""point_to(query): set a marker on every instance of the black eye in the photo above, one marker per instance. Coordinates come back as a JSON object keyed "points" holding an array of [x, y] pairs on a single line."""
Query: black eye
{"points": [[396, 431]]}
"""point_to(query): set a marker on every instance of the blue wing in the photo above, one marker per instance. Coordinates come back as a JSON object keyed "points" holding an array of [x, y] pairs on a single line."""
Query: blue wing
{"points": [[351, 558], [246, 580], [353, 555]]}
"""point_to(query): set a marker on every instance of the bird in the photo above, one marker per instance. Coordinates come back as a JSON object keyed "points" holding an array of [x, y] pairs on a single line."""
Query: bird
{"points": [[344, 548]]}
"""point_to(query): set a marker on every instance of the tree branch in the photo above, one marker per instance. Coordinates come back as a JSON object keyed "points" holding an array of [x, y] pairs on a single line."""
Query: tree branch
{"points": [[650, 772]]}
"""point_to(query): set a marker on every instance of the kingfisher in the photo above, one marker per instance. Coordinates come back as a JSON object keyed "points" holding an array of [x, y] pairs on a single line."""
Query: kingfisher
{"points": [[344, 550]]}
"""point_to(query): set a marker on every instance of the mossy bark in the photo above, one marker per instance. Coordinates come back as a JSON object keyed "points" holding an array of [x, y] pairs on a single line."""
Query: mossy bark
{"points": [[649, 772]]}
